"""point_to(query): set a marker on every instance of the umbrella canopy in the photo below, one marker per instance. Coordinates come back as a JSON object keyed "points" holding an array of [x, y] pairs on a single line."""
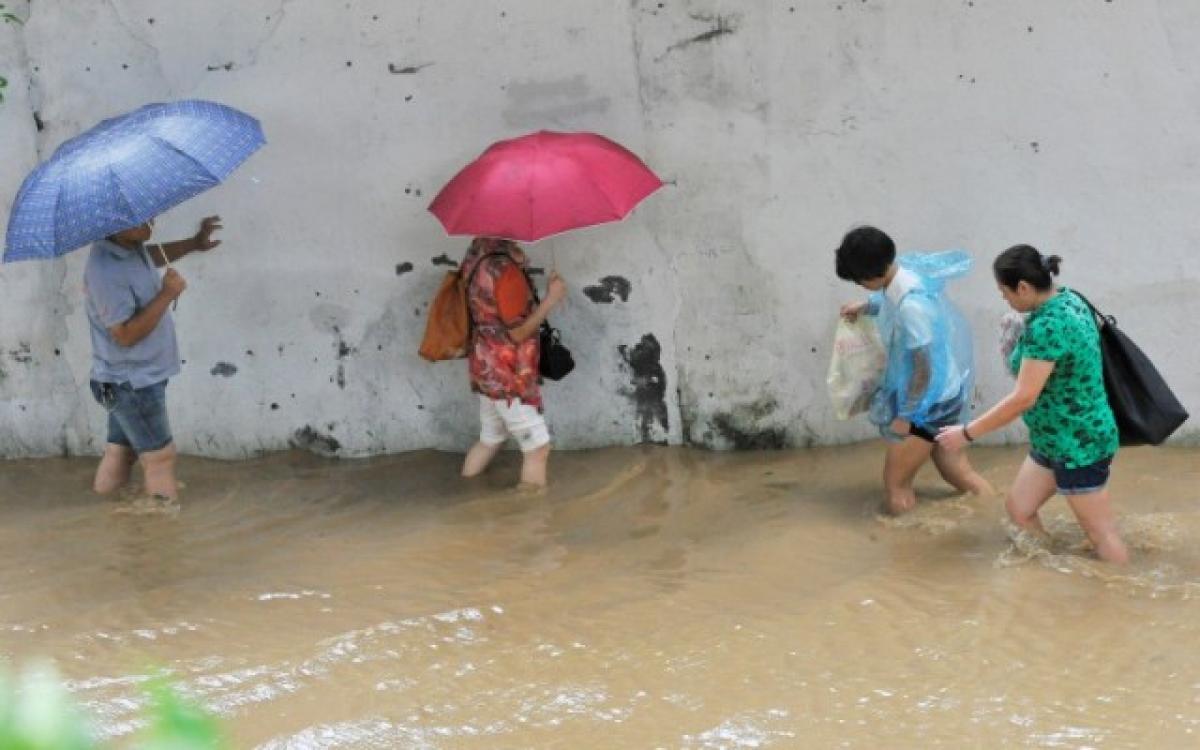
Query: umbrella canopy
{"points": [[125, 171], [543, 184]]}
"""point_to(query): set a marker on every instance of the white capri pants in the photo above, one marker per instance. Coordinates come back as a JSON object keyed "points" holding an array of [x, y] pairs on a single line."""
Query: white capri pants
{"points": [[498, 419]]}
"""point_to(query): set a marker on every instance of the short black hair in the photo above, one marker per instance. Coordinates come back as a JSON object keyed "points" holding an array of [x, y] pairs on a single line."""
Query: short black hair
{"points": [[865, 253], [1024, 263]]}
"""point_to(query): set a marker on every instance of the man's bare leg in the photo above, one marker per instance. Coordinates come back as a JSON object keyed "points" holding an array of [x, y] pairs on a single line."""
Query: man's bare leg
{"points": [[159, 468], [115, 467]]}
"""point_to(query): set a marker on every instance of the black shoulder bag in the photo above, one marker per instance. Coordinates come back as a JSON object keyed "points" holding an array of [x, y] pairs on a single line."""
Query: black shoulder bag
{"points": [[1146, 410]]}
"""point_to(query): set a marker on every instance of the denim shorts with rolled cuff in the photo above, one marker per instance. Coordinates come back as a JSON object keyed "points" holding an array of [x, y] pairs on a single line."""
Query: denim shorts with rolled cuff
{"points": [[1079, 481], [137, 417]]}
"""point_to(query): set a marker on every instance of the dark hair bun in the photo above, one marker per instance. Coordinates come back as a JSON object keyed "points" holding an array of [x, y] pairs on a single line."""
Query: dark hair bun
{"points": [[1052, 263]]}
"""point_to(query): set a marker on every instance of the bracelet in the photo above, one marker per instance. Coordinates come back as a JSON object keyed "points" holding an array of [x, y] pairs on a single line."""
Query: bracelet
{"points": [[967, 435]]}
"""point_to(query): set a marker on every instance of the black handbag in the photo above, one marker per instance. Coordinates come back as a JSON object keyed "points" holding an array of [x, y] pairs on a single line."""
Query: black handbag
{"points": [[1146, 410], [556, 361]]}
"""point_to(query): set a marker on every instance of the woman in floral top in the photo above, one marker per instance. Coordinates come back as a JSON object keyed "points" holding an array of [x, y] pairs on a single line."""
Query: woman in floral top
{"points": [[1060, 392], [502, 355]]}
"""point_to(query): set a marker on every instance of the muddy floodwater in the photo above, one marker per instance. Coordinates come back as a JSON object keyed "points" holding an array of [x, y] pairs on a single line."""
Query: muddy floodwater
{"points": [[654, 597]]}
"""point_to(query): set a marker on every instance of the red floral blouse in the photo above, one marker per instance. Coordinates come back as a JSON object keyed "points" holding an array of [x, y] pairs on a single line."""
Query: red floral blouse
{"points": [[499, 298]]}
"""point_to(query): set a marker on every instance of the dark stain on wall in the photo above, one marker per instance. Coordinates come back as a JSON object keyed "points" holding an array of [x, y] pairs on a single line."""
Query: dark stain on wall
{"points": [[723, 26], [403, 268], [609, 288], [215, 68], [309, 439], [649, 385], [407, 70], [743, 426], [343, 352], [224, 369], [445, 260], [22, 353]]}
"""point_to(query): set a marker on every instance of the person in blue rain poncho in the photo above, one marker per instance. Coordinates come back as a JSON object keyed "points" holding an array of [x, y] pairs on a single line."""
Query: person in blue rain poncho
{"points": [[929, 375]]}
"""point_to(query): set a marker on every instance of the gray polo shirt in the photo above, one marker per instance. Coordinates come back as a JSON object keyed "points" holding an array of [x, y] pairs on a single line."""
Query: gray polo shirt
{"points": [[119, 283]]}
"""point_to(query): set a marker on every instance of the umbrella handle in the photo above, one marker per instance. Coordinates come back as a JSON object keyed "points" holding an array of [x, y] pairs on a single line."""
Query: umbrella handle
{"points": [[167, 261], [163, 254]]}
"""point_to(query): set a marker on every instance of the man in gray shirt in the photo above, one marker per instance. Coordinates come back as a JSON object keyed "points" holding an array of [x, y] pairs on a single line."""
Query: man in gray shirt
{"points": [[134, 352]]}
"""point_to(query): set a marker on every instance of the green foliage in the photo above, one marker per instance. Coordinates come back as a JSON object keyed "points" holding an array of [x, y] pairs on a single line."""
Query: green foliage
{"points": [[177, 725], [38, 714]]}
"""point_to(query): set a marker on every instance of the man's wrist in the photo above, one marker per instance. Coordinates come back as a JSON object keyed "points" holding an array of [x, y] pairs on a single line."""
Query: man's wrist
{"points": [[967, 433]]}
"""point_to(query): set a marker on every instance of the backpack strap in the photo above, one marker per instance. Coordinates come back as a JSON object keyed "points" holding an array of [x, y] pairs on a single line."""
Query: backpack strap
{"points": [[475, 269], [467, 292]]}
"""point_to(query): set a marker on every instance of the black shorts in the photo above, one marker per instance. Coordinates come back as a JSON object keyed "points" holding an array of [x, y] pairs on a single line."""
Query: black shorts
{"points": [[928, 431], [923, 433]]}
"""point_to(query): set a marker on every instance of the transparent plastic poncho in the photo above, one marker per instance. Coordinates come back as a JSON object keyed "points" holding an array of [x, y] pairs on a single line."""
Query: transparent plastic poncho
{"points": [[930, 370]]}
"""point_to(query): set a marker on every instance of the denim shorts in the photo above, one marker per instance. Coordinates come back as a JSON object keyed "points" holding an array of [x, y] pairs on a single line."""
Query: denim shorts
{"points": [[137, 417], [1079, 481]]}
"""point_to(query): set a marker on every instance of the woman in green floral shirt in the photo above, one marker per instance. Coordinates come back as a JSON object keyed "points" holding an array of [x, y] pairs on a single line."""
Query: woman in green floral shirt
{"points": [[1060, 392]]}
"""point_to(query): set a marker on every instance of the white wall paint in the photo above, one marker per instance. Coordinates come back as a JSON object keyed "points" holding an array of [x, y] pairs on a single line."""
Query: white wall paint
{"points": [[1071, 125]]}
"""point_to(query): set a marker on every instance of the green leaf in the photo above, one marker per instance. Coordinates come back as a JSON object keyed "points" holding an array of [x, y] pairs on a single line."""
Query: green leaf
{"points": [[176, 724]]}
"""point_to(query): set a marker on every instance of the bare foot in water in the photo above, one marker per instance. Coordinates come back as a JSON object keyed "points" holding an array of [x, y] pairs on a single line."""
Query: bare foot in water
{"points": [[149, 505], [900, 502]]}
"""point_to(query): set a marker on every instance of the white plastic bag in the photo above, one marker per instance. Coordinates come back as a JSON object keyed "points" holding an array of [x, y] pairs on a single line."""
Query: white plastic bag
{"points": [[1012, 327], [856, 368]]}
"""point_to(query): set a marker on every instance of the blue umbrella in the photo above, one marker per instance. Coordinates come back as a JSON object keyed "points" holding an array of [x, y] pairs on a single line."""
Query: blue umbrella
{"points": [[126, 171]]}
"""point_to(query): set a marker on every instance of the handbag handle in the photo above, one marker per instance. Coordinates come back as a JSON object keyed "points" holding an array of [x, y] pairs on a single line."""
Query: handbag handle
{"points": [[1105, 319]]}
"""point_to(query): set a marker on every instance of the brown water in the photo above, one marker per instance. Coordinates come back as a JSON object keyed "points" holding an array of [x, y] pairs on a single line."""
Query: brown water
{"points": [[653, 598]]}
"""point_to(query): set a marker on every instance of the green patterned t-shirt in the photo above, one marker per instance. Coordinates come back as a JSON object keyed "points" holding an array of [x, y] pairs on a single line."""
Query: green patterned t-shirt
{"points": [[1071, 421]]}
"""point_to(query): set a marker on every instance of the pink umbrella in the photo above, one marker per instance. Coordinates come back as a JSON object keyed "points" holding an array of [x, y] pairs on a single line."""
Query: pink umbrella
{"points": [[543, 184]]}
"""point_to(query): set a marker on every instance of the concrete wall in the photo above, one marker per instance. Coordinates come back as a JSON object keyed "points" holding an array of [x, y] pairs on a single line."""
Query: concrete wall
{"points": [[1071, 125]]}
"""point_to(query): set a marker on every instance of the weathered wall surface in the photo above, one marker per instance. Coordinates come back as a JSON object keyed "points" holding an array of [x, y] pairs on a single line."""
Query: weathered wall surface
{"points": [[707, 316]]}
